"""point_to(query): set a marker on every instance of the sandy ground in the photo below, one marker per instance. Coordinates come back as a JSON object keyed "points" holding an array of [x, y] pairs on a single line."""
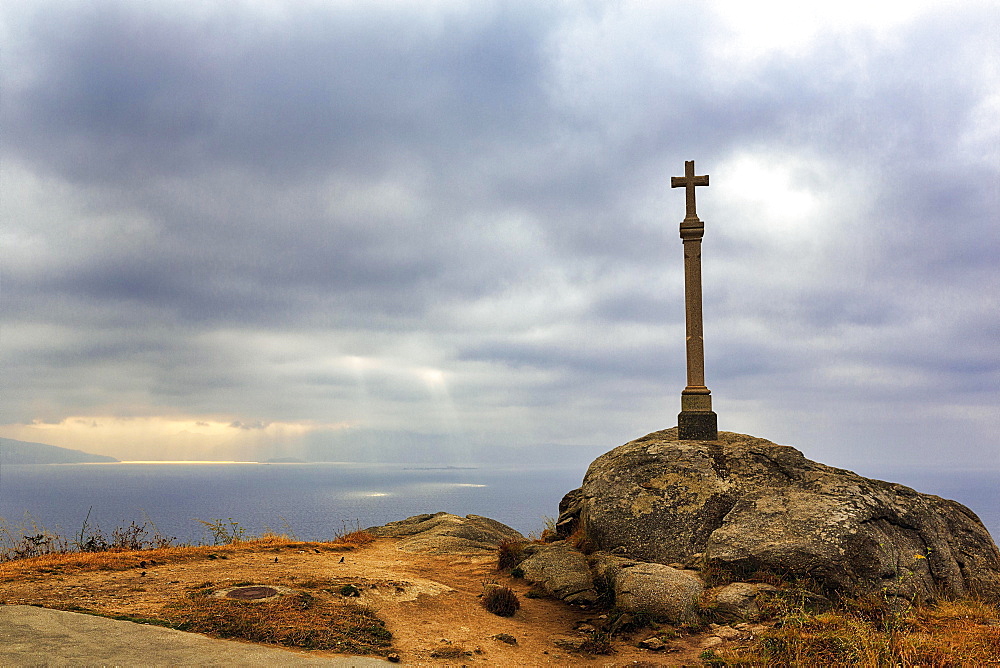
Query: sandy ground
{"points": [[430, 604]]}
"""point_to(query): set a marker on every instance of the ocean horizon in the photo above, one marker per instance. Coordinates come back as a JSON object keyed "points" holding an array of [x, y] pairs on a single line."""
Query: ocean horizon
{"points": [[317, 501]]}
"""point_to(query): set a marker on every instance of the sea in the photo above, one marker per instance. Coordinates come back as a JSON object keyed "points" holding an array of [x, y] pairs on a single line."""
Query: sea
{"points": [[319, 501]]}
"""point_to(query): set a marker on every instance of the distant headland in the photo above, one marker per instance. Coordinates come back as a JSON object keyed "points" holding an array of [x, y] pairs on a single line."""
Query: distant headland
{"points": [[24, 452]]}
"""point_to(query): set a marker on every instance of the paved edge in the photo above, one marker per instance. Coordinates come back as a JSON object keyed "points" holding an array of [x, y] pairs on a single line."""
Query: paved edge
{"points": [[39, 636]]}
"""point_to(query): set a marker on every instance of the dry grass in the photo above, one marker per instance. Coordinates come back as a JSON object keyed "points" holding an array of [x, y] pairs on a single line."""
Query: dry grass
{"points": [[302, 620], [320, 619], [120, 560], [581, 541], [500, 600], [354, 539], [949, 634], [510, 553]]}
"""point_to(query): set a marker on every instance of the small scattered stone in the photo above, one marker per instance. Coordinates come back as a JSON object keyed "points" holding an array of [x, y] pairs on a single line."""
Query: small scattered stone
{"points": [[711, 641], [393, 658], [568, 643], [727, 633], [653, 643], [505, 638]]}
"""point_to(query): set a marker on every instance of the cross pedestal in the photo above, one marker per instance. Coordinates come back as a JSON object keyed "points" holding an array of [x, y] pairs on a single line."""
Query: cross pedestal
{"points": [[696, 421]]}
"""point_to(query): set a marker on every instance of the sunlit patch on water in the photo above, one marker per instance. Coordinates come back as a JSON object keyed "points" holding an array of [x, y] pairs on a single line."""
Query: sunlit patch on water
{"points": [[366, 494]]}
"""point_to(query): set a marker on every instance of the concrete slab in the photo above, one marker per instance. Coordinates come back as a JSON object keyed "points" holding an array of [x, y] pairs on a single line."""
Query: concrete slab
{"points": [[31, 636]]}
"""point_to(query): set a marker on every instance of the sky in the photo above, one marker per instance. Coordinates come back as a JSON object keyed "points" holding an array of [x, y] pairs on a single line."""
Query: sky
{"points": [[445, 230]]}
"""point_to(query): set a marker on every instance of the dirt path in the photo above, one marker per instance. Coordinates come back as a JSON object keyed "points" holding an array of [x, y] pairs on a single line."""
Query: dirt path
{"points": [[430, 603]]}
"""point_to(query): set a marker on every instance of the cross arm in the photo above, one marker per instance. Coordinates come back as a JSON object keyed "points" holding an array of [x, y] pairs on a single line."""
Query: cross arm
{"points": [[682, 181]]}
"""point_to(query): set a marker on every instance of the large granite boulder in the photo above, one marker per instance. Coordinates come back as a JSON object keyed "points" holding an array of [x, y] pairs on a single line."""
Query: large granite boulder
{"points": [[445, 533], [562, 571], [665, 592], [661, 591], [742, 505]]}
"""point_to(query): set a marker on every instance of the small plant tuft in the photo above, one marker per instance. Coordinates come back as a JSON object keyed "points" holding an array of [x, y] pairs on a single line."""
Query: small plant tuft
{"points": [[500, 600], [350, 591], [598, 642], [710, 658], [581, 541], [225, 532], [510, 553]]}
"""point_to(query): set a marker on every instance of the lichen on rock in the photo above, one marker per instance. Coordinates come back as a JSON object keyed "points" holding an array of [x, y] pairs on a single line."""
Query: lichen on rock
{"points": [[743, 505]]}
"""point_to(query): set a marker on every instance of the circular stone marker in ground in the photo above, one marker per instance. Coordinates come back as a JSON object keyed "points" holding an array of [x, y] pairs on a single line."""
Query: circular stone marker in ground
{"points": [[251, 593], [254, 593]]}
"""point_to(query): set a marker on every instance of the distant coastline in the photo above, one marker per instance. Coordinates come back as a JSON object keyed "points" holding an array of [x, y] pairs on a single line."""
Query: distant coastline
{"points": [[24, 452]]}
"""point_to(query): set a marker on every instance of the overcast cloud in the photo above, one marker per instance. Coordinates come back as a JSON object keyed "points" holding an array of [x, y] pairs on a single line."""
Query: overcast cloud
{"points": [[249, 229]]}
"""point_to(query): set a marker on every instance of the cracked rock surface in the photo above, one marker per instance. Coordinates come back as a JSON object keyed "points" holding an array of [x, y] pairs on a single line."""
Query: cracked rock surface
{"points": [[742, 504]]}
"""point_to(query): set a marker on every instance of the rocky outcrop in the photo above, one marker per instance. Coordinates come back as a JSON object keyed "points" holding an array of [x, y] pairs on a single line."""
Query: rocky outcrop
{"points": [[629, 586], [562, 571], [444, 533], [742, 505]]}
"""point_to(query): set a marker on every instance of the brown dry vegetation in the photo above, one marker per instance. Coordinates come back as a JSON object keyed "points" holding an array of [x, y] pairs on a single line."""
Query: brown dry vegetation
{"points": [[870, 632], [431, 606], [358, 594], [304, 620]]}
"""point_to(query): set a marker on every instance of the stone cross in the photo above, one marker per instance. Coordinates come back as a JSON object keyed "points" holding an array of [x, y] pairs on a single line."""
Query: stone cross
{"points": [[696, 421]]}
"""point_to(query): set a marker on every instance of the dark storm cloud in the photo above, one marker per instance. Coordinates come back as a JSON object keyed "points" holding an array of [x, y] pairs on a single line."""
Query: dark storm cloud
{"points": [[324, 211], [133, 100], [139, 93]]}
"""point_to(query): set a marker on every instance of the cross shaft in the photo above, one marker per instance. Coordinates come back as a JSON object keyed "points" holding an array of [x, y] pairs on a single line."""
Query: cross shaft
{"points": [[697, 420]]}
